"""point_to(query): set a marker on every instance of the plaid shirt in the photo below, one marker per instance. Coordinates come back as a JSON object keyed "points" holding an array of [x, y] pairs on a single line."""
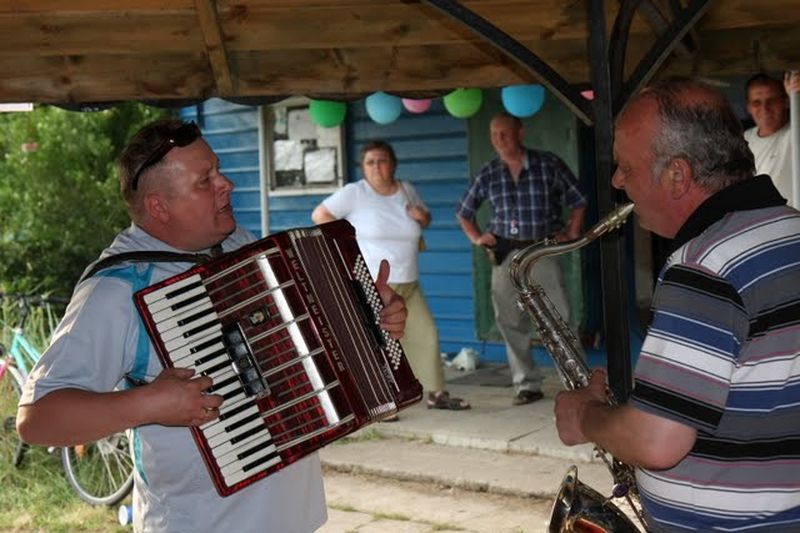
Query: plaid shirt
{"points": [[535, 203]]}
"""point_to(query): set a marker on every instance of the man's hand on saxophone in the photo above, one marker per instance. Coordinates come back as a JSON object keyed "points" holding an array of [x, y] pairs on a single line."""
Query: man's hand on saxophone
{"points": [[631, 435], [570, 406]]}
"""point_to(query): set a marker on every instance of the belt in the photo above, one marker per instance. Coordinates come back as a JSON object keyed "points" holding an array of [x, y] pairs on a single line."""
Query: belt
{"points": [[519, 244], [503, 247]]}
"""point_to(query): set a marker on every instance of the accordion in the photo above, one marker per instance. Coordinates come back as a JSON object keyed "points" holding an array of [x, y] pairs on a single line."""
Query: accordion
{"points": [[287, 328]]}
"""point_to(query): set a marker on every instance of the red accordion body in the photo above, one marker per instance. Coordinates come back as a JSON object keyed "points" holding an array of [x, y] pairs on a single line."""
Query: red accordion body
{"points": [[287, 329]]}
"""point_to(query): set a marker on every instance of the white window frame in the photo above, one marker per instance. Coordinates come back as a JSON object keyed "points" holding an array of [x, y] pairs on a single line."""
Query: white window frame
{"points": [[269, 138]]}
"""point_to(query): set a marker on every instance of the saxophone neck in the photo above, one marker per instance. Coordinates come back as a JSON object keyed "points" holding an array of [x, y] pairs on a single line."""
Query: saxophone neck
{"points": [[523, 260]]}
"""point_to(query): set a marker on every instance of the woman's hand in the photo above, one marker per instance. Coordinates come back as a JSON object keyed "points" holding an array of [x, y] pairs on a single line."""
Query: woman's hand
{"points": [[421, 216], [393, 315]]}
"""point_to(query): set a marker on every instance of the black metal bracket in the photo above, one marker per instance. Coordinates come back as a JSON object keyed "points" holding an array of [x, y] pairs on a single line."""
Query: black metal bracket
{"points": [[684, 20]]}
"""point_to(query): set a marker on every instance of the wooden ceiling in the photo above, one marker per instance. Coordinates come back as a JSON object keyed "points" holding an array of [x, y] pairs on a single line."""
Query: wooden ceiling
{"points": [[78, 51]]}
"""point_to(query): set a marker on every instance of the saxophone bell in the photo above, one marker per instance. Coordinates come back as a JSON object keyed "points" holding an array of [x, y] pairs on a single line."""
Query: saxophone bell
{"points": [[580, 508]]}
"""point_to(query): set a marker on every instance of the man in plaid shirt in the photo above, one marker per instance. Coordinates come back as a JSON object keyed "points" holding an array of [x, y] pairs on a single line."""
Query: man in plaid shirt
{"points": [[527, 191]]}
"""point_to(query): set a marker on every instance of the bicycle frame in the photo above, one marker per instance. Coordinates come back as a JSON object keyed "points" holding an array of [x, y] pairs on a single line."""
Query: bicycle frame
{"points": [[5, 362], [100, 472], [6, 366], [18, 361], [22, 352]]}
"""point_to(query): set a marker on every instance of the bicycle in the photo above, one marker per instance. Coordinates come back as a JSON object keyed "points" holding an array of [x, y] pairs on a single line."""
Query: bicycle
{"points": [[101, 472]]}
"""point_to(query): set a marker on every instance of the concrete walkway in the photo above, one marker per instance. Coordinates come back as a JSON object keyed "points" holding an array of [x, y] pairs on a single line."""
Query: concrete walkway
{"points": [[493, 448]]}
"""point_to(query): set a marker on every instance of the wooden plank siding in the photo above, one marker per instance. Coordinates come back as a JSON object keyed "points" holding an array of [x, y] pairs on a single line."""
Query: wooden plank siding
{"points": [[232, 132]]}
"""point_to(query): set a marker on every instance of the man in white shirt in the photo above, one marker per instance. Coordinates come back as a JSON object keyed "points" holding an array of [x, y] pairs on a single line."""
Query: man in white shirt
{"points": [[769, 139]]}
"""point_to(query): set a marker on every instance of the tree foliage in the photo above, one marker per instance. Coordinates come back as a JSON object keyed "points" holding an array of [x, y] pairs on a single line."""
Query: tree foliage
{"points": [[59, 194]]}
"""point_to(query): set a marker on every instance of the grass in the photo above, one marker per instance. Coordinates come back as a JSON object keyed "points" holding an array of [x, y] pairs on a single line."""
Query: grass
{"points": [[363, 435], [36, 496], [391, 516]]}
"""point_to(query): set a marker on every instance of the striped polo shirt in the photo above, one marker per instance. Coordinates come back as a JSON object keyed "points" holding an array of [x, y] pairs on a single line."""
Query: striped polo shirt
{"points": [[722, 355]]}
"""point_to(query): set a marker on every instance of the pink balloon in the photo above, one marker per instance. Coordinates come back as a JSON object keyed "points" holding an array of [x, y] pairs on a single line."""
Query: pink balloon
{"points": [[417, 106]]}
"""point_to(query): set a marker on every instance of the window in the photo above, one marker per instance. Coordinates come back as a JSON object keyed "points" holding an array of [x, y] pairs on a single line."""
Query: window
{"points": [[303, 158]]}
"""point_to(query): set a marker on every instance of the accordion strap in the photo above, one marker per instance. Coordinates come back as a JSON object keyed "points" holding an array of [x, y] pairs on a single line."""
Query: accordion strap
{"points": [[142, 257]]}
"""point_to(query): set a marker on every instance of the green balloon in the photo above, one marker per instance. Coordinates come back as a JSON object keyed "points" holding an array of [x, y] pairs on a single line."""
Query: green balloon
{"points": [[326, 113], [463, 103]]}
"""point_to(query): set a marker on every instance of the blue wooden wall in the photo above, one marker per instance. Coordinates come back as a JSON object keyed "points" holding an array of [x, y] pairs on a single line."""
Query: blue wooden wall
{"points": [[432, 152]]}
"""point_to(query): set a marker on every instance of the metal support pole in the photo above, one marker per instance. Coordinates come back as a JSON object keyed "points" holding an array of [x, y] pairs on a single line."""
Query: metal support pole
{"points": [[612, 249], [794, 125]]}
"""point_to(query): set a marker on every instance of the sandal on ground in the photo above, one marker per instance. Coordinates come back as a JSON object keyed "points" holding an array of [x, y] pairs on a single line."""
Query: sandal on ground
{"points": [[390, 418], [443, 400]]}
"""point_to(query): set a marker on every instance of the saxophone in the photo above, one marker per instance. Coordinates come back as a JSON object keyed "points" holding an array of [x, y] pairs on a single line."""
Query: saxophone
{"points": [[577, 507]]}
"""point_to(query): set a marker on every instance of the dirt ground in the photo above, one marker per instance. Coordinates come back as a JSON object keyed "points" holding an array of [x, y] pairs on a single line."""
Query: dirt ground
{"points": [[366, 504]]}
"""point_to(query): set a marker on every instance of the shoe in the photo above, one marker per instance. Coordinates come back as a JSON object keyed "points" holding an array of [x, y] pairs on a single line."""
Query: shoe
{"points": [[390, 418], [443, 400], [527, 396]]}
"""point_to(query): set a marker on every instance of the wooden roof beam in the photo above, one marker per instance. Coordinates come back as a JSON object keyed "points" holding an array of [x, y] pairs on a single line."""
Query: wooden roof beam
{"points": [[215, 46], [523, 55]]}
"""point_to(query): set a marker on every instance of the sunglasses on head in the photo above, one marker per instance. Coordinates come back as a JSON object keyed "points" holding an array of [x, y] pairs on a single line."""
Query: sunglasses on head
{"points": [[185, 135]]}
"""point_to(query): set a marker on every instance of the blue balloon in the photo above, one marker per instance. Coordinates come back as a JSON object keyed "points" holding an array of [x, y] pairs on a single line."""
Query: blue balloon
{"points": [[522, 100], [383, 108]]}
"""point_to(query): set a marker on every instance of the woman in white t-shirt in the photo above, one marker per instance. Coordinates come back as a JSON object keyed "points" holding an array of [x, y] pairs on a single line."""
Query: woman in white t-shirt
{"points": [[388, 216]]}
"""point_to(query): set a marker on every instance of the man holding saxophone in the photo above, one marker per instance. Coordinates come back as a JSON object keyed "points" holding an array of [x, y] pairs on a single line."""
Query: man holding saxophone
{"points": [[713, 423]]}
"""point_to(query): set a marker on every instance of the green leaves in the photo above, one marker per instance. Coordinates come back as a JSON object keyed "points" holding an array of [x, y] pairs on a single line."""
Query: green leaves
{"points": [[59, 194]]}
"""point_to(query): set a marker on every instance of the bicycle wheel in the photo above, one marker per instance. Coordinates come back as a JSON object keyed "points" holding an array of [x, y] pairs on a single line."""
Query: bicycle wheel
{"points": [[100, 472], [10, 391]]}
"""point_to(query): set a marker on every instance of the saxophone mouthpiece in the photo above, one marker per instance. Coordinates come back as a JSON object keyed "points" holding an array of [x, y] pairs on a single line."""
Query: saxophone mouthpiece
{"points": [[611, 221], [624, 210]]}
